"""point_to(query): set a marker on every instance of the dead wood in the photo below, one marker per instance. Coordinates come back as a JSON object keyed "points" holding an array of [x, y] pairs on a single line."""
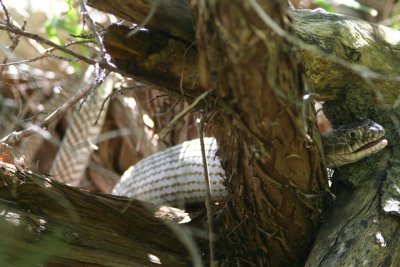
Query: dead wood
{"points": [[47, 222]]}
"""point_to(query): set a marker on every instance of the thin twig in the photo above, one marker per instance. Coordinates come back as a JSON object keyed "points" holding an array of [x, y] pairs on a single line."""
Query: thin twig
{"points": [[14, 43], [18, 136], [105, 64], [14, 39], [8, 18], [182, 114], [26, 61], [101, 72], [168, 110], [115, 93], [42, 40], [210, 223], [146, 20], [92, 26], [183, 68]]}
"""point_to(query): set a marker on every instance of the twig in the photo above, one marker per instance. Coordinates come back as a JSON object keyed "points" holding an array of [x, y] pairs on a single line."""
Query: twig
{"points": [[168, 110], [101, 72], [12, 38], [14, 43], [42, 40], [8, 18], [181, 114], [210, 223], [18, 136], [183, 68], [105, 64], [108, 98], [146, 20], [92, 26], [47, 55]]}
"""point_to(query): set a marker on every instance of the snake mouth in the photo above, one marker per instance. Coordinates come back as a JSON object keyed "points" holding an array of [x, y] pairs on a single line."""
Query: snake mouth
{"points": [[379, 143]]}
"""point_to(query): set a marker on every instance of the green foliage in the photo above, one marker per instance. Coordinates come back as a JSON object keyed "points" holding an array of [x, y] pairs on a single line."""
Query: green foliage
{"points": [[69, 23], [325, 5], [351, 4]]}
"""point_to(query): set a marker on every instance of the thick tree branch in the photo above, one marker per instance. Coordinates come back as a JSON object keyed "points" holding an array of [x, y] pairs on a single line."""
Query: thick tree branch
{"points": [[74, 227], [351, 51], [171, 16], [155, 57]]}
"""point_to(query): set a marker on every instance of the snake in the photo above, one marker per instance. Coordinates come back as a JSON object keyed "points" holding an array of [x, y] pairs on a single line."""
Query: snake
{"points": [[175, 175], [352, 142]]}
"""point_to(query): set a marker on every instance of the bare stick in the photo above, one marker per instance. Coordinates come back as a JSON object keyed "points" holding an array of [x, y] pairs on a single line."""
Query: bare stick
{"points": [[42, 40], [175, 120], [18, 136], [210, 223], [92, 26]]}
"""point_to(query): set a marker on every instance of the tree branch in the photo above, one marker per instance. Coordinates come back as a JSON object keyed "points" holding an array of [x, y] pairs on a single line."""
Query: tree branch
{"points": [[328, 41], [75, 227]]}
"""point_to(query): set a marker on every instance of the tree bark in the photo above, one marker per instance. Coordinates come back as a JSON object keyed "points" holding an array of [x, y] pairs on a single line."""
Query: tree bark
{"points": [[275, 180], [327, 41], [344, 52], [353, 68], [156, 57], [168, 16], [276, 183], [48, 222]]}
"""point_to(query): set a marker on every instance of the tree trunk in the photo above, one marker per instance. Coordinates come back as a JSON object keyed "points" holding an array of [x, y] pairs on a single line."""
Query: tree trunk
{"points": [[352, 66], [276, 183], [261, 120]]}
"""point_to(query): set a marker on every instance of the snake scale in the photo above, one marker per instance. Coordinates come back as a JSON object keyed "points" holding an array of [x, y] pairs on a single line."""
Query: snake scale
{"points": [[81, 136], [80, 139], [176, 174]]}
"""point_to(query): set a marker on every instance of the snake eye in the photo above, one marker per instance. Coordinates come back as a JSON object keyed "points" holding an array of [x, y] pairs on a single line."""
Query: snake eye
{"points": [[353, 134]]}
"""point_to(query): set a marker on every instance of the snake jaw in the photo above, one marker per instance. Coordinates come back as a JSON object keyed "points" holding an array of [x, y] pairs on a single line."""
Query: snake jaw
{"points": [[351, 143], [368, 149], [373, 146]]}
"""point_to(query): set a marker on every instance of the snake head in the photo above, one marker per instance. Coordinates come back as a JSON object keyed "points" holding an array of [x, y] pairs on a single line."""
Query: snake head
{"points": [[350, 143]]}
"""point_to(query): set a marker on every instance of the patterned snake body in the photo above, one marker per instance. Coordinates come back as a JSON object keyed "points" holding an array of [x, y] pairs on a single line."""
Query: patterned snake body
{"points": [[173, 175], [176, 174]]}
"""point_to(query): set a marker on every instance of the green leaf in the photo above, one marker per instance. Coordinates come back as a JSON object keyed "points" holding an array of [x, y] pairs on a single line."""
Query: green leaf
{"points": [[323, 4]]}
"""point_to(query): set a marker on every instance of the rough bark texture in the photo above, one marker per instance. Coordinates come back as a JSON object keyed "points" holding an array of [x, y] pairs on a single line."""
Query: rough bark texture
{"points": [[155, 56], [47, 222], [373, 49], [173, 17], [263, 143], [348, 52], [275, 178], [353, 67]]}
